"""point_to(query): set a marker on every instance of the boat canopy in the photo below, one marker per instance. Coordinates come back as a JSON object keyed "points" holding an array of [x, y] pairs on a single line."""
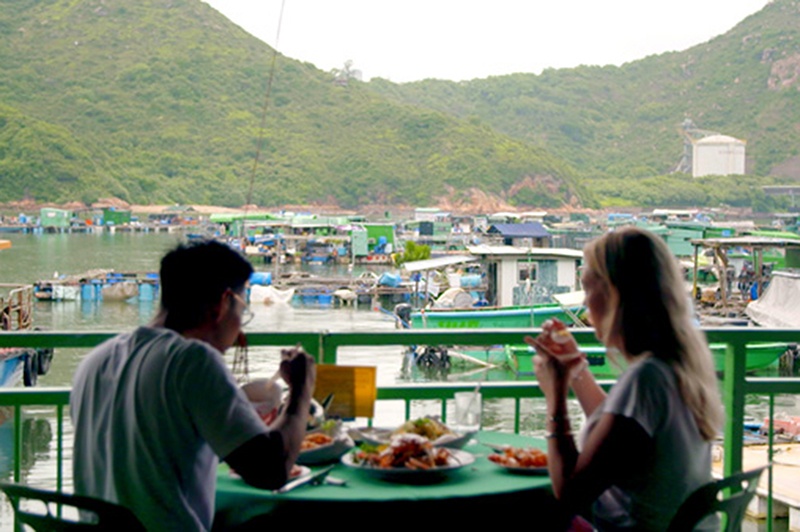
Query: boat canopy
{"points": [[433, 264], [777, 307], [570, 299]]}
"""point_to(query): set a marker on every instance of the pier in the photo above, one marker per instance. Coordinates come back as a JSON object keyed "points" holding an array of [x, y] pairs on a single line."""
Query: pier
{"points": [[785, 481]]}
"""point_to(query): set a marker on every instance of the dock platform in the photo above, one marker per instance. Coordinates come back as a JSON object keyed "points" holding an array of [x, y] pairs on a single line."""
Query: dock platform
{"points": [[785, 481]]}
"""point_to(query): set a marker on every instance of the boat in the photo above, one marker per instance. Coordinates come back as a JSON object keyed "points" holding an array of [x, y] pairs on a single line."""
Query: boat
{"points": [[777, 306], [491, 318], [759, 356], [527, 287], [20, 364]]}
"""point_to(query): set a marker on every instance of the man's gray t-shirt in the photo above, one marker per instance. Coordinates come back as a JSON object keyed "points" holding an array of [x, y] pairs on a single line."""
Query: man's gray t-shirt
{"points": [[152, 412]]}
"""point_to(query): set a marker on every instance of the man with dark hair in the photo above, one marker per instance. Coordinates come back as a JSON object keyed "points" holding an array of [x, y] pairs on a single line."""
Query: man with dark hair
{"points": [[153, 409]]}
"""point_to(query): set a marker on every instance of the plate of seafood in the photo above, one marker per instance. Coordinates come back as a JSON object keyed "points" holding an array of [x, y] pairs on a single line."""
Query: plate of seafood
{"points": [[439, 434], [321, 448], [407, 458], [520, 461]]}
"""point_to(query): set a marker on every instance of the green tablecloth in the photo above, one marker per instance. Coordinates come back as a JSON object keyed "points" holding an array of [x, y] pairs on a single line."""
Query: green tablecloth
{"points": [[479, 484]]}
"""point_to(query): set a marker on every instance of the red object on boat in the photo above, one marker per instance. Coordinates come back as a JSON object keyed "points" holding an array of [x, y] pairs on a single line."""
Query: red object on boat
{"points": [[789, 426]]}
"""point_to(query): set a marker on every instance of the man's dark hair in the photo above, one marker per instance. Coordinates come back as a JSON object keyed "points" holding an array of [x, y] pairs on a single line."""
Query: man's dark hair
{"points": [[193, 278]]}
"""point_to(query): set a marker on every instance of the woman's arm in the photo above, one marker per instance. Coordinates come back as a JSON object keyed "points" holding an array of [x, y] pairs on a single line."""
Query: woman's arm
{"points": [[558, 343], [590, 395], [609, 451], [617, 449]]}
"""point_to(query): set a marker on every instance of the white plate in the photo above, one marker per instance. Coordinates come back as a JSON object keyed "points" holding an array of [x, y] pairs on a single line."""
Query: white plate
{"points": [[379, 436], [326, 453], [535, 471], [301, 472], [458, 459]]}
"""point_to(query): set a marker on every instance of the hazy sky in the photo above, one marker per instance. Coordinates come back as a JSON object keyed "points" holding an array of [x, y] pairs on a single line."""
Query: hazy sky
{"points": [[466, 39]]}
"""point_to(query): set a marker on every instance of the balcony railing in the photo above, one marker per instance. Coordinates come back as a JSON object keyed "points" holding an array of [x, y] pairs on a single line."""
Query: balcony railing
{"points": [[735, 385]]}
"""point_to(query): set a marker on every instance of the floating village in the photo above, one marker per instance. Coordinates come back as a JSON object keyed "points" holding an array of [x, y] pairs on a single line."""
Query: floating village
{"points": [[435, 270]]}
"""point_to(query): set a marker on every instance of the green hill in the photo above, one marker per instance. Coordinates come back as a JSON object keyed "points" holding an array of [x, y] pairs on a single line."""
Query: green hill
{"points": [[617, 124], [161, 101], [156, 101]]}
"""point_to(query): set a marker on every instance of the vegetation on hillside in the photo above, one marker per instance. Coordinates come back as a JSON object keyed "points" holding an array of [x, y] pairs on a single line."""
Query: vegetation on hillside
{"points": [[161, 101], [616, 124], [165, 100]]}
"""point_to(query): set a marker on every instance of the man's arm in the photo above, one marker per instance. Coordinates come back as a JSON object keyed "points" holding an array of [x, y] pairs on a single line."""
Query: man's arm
{"points": [[265, 460]]}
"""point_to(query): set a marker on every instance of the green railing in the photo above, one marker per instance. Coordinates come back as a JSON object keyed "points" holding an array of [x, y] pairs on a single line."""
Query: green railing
{"points": [[735, 385]]}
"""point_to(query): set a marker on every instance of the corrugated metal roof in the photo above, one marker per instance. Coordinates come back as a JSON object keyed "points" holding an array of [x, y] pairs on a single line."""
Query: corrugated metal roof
{"points": [[562, 253], [526, 230], [746, 241], [441, 262]]}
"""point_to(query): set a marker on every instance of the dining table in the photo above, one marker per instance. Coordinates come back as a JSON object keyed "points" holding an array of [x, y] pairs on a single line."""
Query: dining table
{"points": [[479, 488]]}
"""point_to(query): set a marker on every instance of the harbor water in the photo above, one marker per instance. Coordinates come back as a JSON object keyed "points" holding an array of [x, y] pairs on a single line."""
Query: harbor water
{"points": [[38, 257]]}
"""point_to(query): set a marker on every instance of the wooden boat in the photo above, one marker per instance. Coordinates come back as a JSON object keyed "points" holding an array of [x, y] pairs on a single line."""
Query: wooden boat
{"points": [[16, 314]]}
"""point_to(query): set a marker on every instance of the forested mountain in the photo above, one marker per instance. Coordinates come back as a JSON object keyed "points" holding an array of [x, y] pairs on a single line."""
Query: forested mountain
{"points": [[161, 100], [619, 126]]}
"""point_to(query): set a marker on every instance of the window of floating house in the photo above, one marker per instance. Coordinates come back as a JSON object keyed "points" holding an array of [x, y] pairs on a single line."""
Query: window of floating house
{"points": [[526, 271]]}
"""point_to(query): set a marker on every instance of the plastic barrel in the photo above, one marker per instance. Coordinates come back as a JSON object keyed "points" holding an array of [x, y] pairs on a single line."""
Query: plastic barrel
{"points": [[390, 279], [98, 289], [87, 292], [146, 292], [470, 281], [261, 278]]}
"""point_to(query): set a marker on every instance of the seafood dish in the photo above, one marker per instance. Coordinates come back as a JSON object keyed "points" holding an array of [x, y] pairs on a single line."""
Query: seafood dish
{"points": [[517, 460], [406, 450]]}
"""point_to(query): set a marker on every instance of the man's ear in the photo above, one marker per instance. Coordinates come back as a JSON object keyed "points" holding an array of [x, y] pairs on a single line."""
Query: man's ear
{"points": [[222, 307]]}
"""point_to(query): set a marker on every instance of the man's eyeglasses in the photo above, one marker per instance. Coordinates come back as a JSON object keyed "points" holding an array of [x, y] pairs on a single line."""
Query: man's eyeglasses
{"points": [[247, 314]]}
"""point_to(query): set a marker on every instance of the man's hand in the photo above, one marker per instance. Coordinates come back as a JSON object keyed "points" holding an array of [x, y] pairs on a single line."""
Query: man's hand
{"points": [[298, 370]]}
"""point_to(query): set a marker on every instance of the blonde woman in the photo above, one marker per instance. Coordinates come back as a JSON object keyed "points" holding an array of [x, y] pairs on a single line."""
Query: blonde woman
{"points": [[646, 445]]}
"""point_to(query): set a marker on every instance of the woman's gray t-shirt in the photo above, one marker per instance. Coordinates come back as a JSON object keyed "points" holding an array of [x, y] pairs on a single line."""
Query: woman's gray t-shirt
{"points": [[648, 394]]}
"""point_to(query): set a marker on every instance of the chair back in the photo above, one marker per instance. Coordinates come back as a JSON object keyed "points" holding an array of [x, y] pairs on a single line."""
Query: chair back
{"points": [[706, 501], [42, 511]]}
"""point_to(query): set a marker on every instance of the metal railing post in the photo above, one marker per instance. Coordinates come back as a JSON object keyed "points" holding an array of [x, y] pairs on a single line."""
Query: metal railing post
{"points": [[329, 347], [733, 392]]}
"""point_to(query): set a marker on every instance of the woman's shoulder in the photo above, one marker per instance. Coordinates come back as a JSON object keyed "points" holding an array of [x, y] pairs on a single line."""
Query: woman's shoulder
{"points": [[648, 383], [651, 369]]}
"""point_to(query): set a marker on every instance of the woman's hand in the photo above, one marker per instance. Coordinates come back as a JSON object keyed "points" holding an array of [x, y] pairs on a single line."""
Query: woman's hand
{"points": [[558, 358], [552, 377], [557, 340]]}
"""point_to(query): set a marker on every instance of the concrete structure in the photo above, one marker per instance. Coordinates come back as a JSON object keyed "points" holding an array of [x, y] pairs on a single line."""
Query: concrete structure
{"points": [[718, 155]]}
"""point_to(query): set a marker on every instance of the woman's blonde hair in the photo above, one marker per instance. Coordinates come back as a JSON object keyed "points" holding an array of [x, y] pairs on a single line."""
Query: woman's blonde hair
{"points": [[649, 312]]}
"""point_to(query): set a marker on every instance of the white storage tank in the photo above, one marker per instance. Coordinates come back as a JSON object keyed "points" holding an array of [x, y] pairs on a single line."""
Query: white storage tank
{"points": [[718, 155]]}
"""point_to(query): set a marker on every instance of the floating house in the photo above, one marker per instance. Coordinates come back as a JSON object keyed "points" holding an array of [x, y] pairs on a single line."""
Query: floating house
{"points": [[114, 216], [55, 218], [528, 276]]}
